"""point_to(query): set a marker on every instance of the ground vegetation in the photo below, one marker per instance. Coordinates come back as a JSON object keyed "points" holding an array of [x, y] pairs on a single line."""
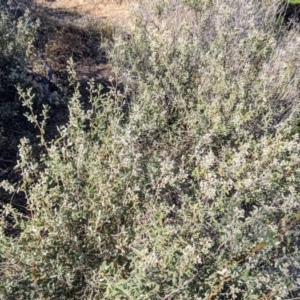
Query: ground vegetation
{"points": [[177, 178]]}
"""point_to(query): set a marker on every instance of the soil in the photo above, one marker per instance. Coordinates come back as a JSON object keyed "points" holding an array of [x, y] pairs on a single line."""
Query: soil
{"points": [[71, 29], [109, 10]]}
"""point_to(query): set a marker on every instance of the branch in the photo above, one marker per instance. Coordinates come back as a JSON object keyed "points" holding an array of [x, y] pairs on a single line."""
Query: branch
{"points": [[179, 289], [257, 248]]}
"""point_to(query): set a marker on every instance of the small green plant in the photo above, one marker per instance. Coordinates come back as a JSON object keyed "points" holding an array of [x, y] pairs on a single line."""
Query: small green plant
{"points": [[294, 1]]}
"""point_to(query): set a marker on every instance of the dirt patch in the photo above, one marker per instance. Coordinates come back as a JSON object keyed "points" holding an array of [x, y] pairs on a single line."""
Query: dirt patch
{"points": [[109, 10], [77, 29]]}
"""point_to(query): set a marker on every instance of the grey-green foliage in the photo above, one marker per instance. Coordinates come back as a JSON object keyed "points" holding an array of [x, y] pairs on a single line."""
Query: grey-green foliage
{"points": [[190, 191], [16, 38]]}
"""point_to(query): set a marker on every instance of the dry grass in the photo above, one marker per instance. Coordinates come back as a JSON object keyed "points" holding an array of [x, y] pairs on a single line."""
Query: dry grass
{"points": [[77, 29], [109, 10]]}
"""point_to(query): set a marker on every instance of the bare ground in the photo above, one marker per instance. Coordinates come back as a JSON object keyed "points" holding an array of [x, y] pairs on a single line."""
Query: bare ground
{"points": [[109, 10], [76, 28]]}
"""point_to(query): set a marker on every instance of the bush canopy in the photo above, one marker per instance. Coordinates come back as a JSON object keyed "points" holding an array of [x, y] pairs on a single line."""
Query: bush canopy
{"points": [[182, 182]]}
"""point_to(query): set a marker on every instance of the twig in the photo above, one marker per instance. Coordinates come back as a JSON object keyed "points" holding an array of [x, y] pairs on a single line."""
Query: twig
{"points": [[179, 289], [268, 296], [257, 248]]}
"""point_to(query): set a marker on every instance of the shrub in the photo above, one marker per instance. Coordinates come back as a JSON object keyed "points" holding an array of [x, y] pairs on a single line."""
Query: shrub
{"points": [[184, 186], [16, 37]]}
